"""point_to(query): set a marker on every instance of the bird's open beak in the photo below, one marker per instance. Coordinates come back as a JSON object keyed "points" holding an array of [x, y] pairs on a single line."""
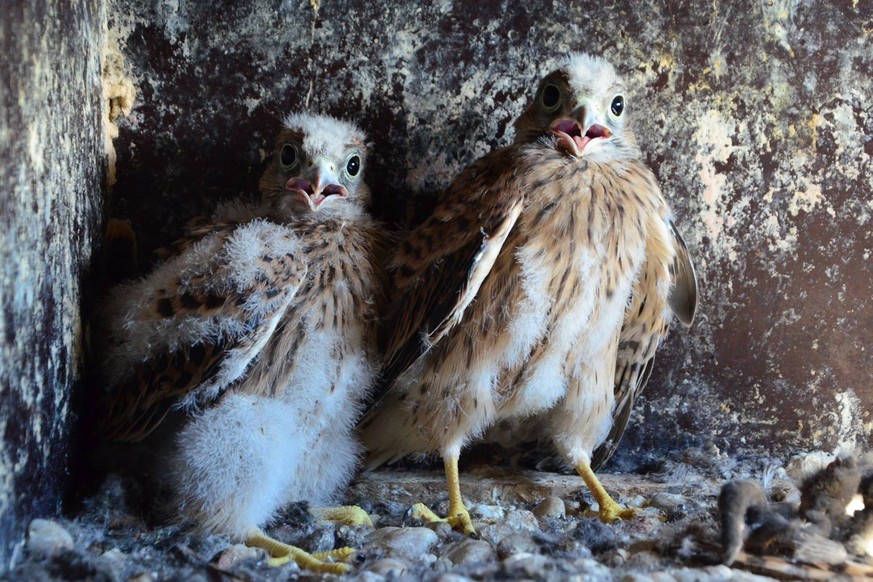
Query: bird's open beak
{"points": [[317, 185], [571, 135]]}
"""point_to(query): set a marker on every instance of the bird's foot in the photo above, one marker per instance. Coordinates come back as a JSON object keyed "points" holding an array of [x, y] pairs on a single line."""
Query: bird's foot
{"points": [[283, 553], [458, 518], [610, 511], [345, 515], [339, 555], [460, 521]]}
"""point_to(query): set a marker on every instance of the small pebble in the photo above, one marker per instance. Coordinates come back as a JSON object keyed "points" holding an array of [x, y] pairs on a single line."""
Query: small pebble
{"points": [[486, 512], [47, 538], [469, 551], [590, 569], [453, 578], [237, 553], [637, 501], [386, 567], [516, 521], [522, 520], [114, 555], [402, 542], [533, 565], [115, 559], [710, 574], [666, 501], [572, 506], [514, 543], [441, 528], [649, 577], [549, 508]]}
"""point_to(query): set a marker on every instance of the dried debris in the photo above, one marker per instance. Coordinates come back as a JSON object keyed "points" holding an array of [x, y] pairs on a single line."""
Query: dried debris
{"points": [[816, 536]]}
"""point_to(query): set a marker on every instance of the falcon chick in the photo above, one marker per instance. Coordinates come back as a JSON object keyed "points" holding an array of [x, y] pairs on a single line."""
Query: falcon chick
{"points": [[510, 299], [240, 365]]}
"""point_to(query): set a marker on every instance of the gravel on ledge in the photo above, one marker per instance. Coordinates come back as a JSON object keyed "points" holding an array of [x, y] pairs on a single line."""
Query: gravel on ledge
{"points": [[531, 525]]}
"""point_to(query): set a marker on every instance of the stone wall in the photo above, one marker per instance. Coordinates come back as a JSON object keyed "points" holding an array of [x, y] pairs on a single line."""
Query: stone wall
{"points": [[755, 116], [51, 204]]}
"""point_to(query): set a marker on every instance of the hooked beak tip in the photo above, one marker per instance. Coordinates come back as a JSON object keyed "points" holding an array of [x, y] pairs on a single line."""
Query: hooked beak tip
{"points": [[315, 194], [571, 136]]}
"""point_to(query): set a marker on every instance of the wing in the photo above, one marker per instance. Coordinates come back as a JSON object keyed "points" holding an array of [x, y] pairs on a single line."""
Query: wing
{"points": [[442, 263], [683, 296], [186, 333], [666, 287]]}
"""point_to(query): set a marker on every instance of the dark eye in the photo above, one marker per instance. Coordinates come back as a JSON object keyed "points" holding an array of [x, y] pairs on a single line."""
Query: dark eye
{"points": [[353, 166], [551, 96], [289, 154], [617, 106]]}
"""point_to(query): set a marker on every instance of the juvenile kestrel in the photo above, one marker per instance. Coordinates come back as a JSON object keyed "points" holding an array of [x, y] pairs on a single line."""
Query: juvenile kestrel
{"points": [[241, 363], [511, 297]]}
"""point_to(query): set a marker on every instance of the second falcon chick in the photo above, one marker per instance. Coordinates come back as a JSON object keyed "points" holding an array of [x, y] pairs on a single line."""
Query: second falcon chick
{"points": [[510, 298], [239, 366]]}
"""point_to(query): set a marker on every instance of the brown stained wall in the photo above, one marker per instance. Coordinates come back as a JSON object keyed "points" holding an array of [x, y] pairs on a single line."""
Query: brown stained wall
{"points": [[756, 117], [51, 204]]}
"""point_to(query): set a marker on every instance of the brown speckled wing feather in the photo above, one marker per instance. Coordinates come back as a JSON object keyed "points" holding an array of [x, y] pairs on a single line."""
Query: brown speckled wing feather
{"points": [[139, 405], [442, 264], [683, 296], [235, 316], [643, 330]]}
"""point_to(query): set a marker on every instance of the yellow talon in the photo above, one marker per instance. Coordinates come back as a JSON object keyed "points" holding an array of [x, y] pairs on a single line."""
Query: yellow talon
{"points": [[611, 514], [458, 517], [608, 510], [615, 511], [284, 553], [339, 554], [346, 515], [422, 511]]}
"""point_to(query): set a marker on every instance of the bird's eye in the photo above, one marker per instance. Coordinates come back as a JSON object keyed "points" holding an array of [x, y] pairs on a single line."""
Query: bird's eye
{"points": [[617, 106], [289, 155], [353, 166], [551, 97]]}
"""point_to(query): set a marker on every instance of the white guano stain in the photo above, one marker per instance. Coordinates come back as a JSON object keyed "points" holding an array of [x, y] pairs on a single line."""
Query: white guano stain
{"points": [[849, 412], [713, 136], [806, 200]]}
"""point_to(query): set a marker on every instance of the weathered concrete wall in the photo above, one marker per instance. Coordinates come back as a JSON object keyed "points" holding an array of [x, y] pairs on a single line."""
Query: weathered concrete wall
{"points": [[51, 203], [755, 116]]}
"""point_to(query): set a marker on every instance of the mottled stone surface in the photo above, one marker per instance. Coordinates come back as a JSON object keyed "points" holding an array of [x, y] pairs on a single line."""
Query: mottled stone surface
{"points": [[51, 203], [756, 119]]}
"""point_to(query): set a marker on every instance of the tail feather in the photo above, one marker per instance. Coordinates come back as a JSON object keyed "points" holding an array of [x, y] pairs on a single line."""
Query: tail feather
{"points": [[388, 434]]}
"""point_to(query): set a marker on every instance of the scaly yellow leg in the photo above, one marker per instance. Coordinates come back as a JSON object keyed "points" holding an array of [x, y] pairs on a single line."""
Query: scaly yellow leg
{"points": [[345, 514], [459, 517], [284, 553], [608, 510]]}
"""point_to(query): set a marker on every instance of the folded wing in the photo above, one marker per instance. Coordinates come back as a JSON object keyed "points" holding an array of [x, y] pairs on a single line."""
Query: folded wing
{"points": [[187, 333]]}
